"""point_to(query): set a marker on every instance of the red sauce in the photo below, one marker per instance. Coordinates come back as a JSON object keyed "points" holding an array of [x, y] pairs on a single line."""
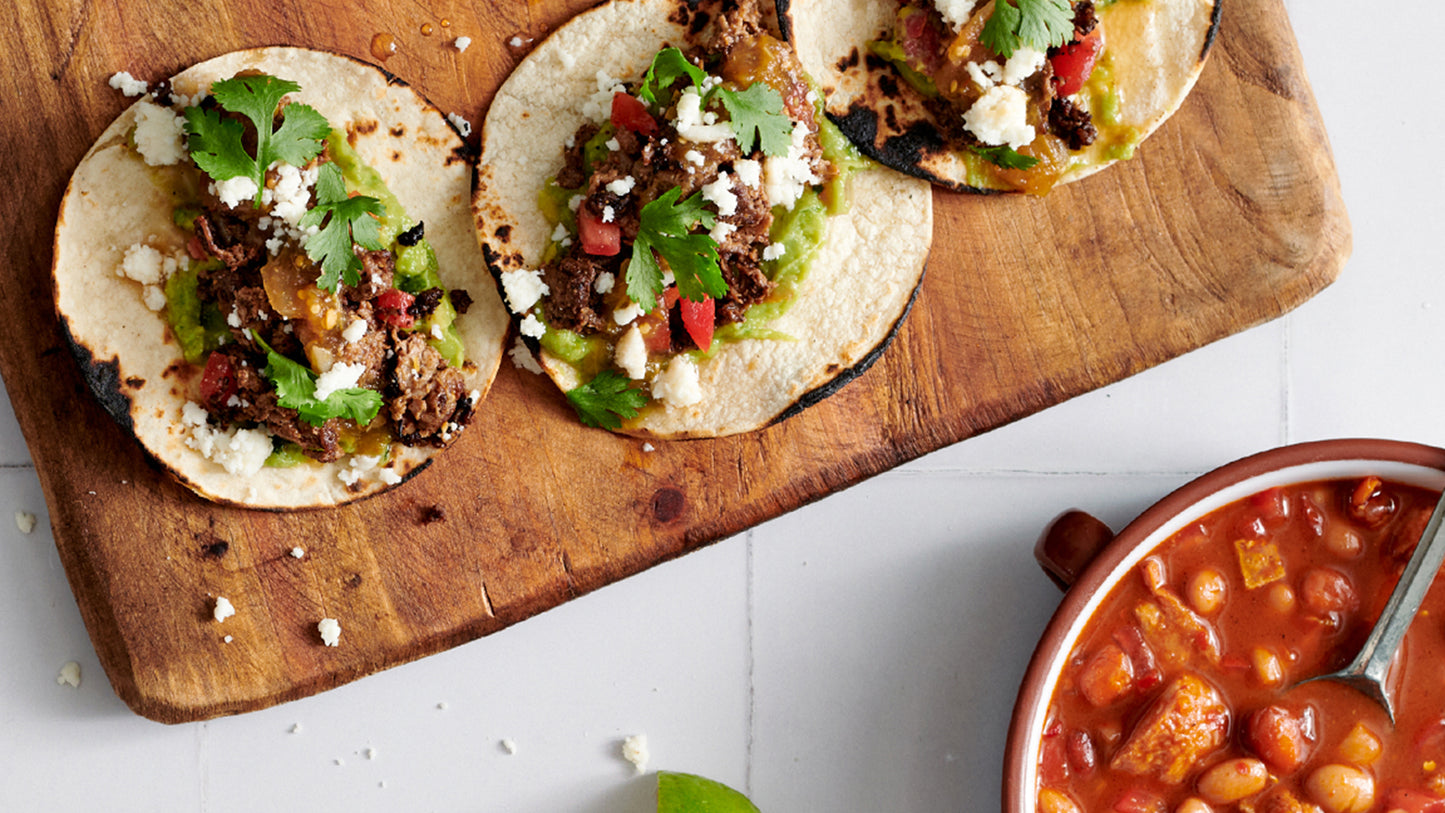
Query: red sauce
{"points": [[1181, 695]]}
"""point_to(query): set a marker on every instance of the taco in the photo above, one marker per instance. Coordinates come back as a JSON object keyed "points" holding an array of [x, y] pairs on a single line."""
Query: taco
{"points": [[1001, 95], [265, 267], [692, 247]]}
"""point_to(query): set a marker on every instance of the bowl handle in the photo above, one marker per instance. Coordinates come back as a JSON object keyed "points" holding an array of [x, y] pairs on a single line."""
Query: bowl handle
{"points": [[1069, 544]]}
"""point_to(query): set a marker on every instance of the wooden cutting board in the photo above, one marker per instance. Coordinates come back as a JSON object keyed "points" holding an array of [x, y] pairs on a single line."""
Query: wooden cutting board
{"points": [[1229, 216]]}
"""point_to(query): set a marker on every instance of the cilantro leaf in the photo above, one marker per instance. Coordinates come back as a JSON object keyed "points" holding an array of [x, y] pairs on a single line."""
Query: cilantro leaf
{"points": [[216, 142], [759, 111], [296, 389], [1006, 157], [667, 67], [606, 400], [1037, 24], [352, 220], [663, 227]]}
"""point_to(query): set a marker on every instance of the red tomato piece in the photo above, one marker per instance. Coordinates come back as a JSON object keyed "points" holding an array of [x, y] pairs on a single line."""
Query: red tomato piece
{"points": [[218, 382], [1281, 737], [699, 318], [630, 113], [1074, 63], [391, 308], [598, 239], [1414, 801], [1273, 506]]}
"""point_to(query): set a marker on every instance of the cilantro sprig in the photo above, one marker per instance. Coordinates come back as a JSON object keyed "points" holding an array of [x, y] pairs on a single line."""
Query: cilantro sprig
{"points": [[606, 400], [667, 67], [664, 226], [348, 220], [755, 113], [296, 389], [758, 110], [1037, 24], [216, 142], [1006, 157]]}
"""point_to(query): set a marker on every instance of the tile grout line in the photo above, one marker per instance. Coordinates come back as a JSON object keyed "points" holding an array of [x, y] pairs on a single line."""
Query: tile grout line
{"points": [[750, 667]]}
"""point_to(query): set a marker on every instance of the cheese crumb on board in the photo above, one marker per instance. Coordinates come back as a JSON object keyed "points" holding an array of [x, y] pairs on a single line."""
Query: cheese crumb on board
{"points": [[462, 43], [127, 84], [297, 553], [330, 630], [69, 675], [224, 608]]}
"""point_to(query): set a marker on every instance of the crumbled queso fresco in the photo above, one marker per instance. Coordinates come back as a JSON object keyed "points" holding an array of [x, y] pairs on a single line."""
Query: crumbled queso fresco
{"points": [[224, 609], [330, 631], [463, 126]]}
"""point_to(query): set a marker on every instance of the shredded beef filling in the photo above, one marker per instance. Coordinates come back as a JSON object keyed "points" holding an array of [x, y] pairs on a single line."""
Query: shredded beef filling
{"points": [[657, 163], [426, 399]]}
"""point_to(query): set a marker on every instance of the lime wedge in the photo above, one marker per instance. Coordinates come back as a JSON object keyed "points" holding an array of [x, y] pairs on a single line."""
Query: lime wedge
{"points": [[686, 793]]}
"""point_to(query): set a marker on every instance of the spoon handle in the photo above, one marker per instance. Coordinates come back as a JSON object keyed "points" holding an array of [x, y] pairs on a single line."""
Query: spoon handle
{"points": [[1374, 657]]}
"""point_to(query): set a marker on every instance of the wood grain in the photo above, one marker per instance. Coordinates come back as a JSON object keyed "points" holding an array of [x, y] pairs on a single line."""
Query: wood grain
{"points": [[1229, 216]]}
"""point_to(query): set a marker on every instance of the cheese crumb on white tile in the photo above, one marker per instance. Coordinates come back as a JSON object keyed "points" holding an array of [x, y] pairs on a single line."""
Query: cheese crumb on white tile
{"points": [[509, 746], [69, 675], [371, 753], [524, 287], [159, 135], [127, 84], [295, 728], [224, 608], [522, 357], [634, 750], [462, 43], [25, 521], [463, 126], [679, 384], [330, 631]]}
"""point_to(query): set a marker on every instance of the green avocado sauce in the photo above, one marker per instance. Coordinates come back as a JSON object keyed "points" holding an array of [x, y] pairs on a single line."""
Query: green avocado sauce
{"points": [[416, 265], [198, 327]]}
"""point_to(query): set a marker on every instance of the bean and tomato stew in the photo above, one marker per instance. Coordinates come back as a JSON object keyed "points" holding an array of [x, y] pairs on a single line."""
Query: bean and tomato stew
{"points": [[1181, 696]]}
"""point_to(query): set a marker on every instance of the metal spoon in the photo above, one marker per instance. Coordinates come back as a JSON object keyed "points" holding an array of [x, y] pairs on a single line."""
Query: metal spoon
{"points": [[1366, 673]]}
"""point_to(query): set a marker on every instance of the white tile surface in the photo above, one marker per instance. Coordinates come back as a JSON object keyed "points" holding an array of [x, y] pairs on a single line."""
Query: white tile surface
{"points": [[858, 655]]}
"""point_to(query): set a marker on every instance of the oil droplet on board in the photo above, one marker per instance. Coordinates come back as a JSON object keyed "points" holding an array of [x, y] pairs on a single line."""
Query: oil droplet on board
{"points": [[382, 46], [426, 29], [446, 23]]}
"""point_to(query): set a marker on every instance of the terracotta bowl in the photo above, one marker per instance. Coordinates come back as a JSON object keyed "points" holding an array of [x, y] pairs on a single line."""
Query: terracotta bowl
{"points": [[1080, 551]]}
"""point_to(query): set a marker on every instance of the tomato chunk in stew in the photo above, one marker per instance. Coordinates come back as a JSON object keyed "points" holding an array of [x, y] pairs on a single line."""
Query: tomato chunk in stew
{"points": [[1182, 694]]}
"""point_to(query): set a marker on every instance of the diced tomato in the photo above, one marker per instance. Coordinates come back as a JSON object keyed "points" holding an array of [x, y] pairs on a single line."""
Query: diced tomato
{"points": [[391, 308], [598, 239], [920, 39], [1072, 64], [698, 318], [1140, 801], [630, 113], [1141, 658], [1053, 760], [1273, 506], [218, 382], [1414, 801], [196, 248]]}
